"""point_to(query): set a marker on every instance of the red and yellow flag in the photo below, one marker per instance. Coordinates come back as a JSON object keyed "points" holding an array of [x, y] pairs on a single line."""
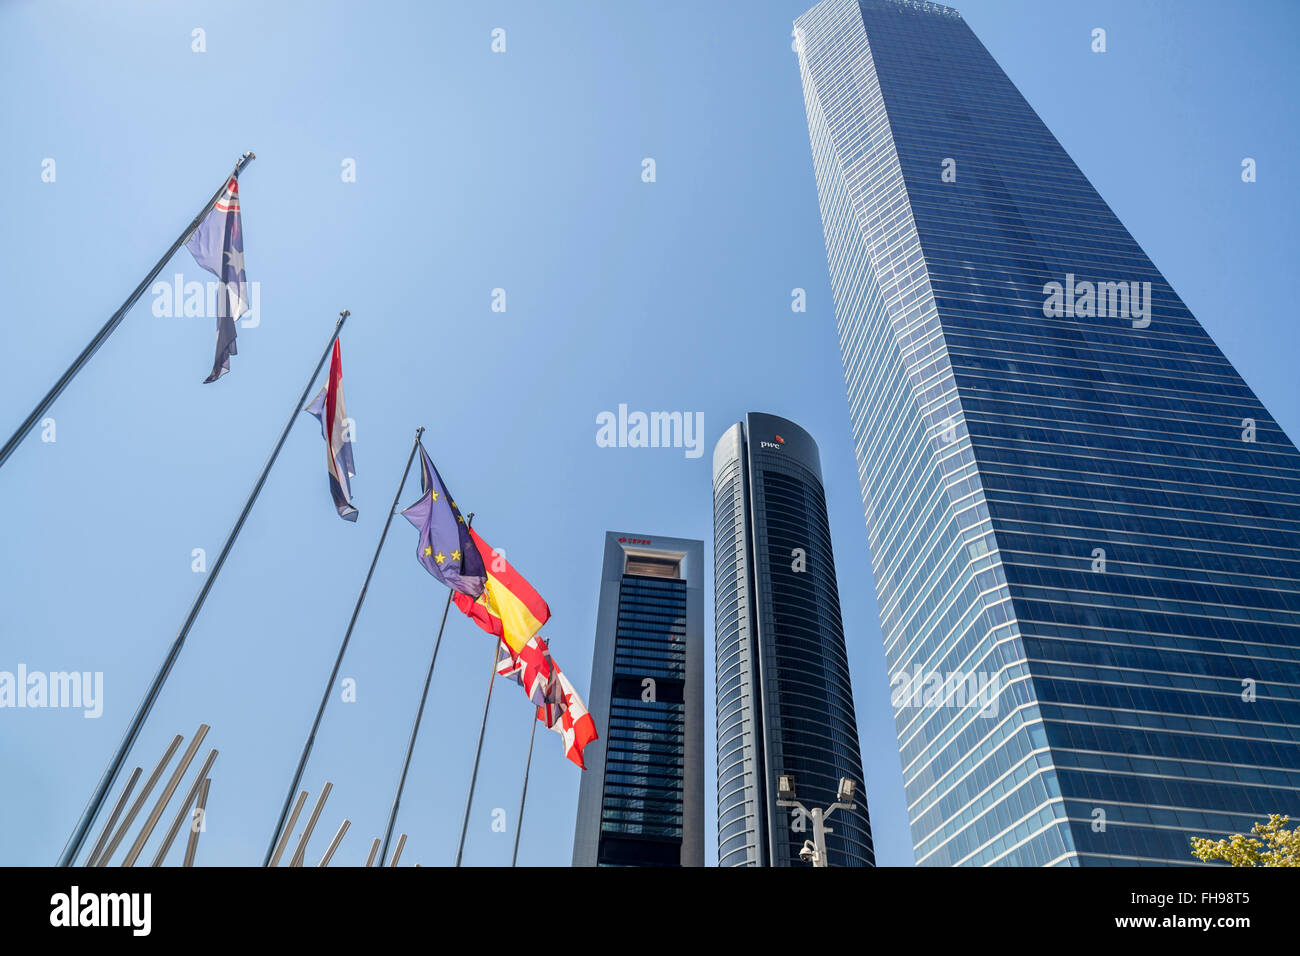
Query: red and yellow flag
{"points": [[508, 607]]}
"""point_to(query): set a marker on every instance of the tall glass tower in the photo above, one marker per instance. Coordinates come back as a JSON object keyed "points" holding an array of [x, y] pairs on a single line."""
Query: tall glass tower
{"points": [[641, 800], [784, 700], [1072, 498]]}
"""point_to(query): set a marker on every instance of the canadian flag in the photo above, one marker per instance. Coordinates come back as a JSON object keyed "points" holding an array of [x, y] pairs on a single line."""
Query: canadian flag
{"points": [[566, 714]]}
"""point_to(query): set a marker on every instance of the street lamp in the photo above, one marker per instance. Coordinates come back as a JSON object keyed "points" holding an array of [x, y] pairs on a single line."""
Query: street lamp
{"points": [[814, 850]]}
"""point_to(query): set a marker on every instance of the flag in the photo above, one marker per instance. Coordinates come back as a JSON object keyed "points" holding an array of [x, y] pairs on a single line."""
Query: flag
{"points": [[558, 705], [445, 547], [508, 607], [327, 406], [531, 668], [218, 246], [566, 714]]}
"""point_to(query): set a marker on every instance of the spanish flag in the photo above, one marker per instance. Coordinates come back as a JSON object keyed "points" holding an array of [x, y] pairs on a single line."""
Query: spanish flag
{"points": [[508, 607]]}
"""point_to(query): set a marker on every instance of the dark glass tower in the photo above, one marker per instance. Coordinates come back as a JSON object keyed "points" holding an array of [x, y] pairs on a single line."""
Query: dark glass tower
{"points": [[641, 801], [1067, 490], [784, 700]]}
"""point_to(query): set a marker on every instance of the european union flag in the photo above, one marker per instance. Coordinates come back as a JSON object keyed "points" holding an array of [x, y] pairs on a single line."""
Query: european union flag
{"points": [[446, 549], [218, 246]]}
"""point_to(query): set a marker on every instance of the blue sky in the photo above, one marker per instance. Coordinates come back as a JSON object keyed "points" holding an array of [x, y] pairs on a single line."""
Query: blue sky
{"points": [[476, 171]]}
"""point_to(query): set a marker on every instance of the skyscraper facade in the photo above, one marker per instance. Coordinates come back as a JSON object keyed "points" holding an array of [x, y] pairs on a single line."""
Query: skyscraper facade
{"points": [[1071, 496], [641, 801], [784, 698]]}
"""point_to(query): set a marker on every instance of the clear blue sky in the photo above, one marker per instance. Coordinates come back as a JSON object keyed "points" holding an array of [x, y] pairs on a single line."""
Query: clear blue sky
{"points": [[478, 171]]}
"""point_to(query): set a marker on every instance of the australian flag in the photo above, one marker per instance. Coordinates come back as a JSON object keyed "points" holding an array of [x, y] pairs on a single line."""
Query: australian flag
{"points": [[446, 549], [218, 246]]}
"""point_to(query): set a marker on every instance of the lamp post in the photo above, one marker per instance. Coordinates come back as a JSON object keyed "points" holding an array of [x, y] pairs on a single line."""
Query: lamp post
{"points": [[814, 850]]}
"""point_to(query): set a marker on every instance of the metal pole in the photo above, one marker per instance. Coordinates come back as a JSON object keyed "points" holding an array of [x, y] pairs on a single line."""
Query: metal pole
{"points": [[88, 815], [473, 779], [338, 661], [397, 854], [415, 730], [419, 714], [819, 837], [137, 806], [334, 844], [523, 796], [114, 321], [288, 829], [112, 817], [374, 848], [519, 823], [164, 798], [184, 810], [299, 853], [192, 845]]}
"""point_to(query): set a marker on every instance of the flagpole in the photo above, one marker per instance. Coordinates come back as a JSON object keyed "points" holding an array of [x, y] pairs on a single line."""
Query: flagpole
{"points": [[338, 661], [114, 321], [419, 715], [523, 794], [473, 780], [528, 764], [73, 847]]}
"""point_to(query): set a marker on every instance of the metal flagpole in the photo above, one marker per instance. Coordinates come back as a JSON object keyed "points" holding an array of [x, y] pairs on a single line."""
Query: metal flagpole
{"points": [[523, 796], [114, 321], [415, 727], [519, 823], [338, 661], [73, 848], [473, 779]]}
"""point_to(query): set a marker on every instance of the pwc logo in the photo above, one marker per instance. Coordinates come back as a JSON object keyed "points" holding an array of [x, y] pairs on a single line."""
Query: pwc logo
{"points": [[775, 446]]}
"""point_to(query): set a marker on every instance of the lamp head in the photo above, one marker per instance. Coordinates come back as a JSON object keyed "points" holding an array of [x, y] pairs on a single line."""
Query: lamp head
{"points": [[785, 786]]}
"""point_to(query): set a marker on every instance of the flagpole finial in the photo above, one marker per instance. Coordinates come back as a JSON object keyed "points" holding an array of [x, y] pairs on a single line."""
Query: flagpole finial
{"points": [[419, 431], [244, 160]]}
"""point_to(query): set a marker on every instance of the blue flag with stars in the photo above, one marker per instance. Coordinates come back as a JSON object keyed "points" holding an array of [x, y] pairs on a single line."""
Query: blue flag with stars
{"points": [[446, 549], [218, 246]]}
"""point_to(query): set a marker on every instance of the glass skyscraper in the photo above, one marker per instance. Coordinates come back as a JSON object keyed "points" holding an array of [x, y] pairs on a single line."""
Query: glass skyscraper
{"points": [[784, 697], [1071, 496], [641, 800]]}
